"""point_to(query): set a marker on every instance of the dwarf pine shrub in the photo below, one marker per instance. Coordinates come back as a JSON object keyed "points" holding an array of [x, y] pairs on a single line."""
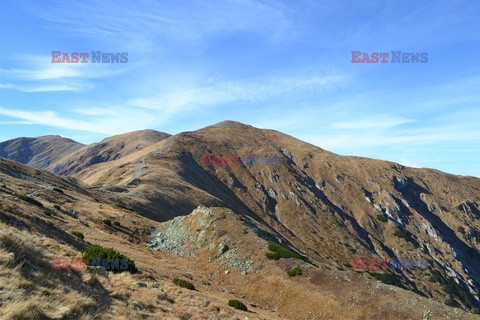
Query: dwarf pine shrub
{"points": [[277, 252], [237, 305], [108, 253], [294, 272], [184, 284], [29, 200]]}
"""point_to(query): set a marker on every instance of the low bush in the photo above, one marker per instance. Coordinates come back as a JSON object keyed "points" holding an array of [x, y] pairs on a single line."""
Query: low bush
{"points": [[400, 234], [78, 234], [29, 200], [277, 252], [108, 222], [387, 278], [57, 207], [116, 223], [382, 218], [108, 253], [58, 190], [295, 272], [123, 206], [184, 284], [454, 289], [237, 305], [461, 230], [46, 212]]}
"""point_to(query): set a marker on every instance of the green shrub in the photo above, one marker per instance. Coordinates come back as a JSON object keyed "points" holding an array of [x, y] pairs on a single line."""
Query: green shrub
{"points": [[277, 252], [184, 284], [435, 276], [108, 222], [58, 190], [104, 253], [46, 212], [57, 207], [461, 230], [237, 305], [123, 206], [399, 233], [382, 218], [453, 289], [4, 186], [78, 234], [116, 223], [295, 272], [387, 278], [29, 200]]}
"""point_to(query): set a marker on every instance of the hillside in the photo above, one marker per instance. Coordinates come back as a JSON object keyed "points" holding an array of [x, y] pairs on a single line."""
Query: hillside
{"points": [[328, 208], [218, 250]]}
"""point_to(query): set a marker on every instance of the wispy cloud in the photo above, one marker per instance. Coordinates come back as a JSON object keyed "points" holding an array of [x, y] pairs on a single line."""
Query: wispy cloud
{"points": [[380, 122], [252, 90], [40, 75], [148, 21]]}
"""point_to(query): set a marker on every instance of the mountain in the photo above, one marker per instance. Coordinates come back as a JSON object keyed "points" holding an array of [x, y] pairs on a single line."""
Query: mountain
{"points": [[67, 157], [38, 152], [326, 207]]}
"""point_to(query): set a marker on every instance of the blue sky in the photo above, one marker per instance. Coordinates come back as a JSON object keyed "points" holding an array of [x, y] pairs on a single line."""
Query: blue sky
{"points": [[282, 65]]}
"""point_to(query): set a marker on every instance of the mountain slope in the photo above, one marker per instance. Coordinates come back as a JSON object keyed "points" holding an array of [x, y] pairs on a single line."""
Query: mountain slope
{"points": [[38, 152], [221, 252], [67, 157], [324, 205]]}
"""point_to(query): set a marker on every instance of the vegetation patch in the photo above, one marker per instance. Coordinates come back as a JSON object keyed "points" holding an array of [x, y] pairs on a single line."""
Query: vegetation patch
{"points": [[461, 230], [184, 284], [400, 234], [29, 200], [387, 278], [123, 206], [108, 222], [116, 223], [454, 289], [382, 218], [294, 272], [46, 212], [108, 253], [237, 305], [58, 190], [78, 234], [277, 252], [57, 207]]}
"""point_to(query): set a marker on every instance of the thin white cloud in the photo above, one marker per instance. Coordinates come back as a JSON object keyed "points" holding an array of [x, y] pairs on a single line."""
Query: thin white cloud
{"points": [[379, 122], [253, 90]]}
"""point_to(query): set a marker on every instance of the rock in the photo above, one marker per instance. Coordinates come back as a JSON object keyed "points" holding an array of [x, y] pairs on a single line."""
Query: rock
{"points": [[227, 271], [33, 266], [138, 306], [207, 303], [222, 248], [72, 213], [99, 270], [83, 222]]}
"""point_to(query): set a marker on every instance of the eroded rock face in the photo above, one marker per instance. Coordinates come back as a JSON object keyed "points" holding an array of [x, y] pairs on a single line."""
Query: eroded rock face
{"points": [[205, 234]]}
